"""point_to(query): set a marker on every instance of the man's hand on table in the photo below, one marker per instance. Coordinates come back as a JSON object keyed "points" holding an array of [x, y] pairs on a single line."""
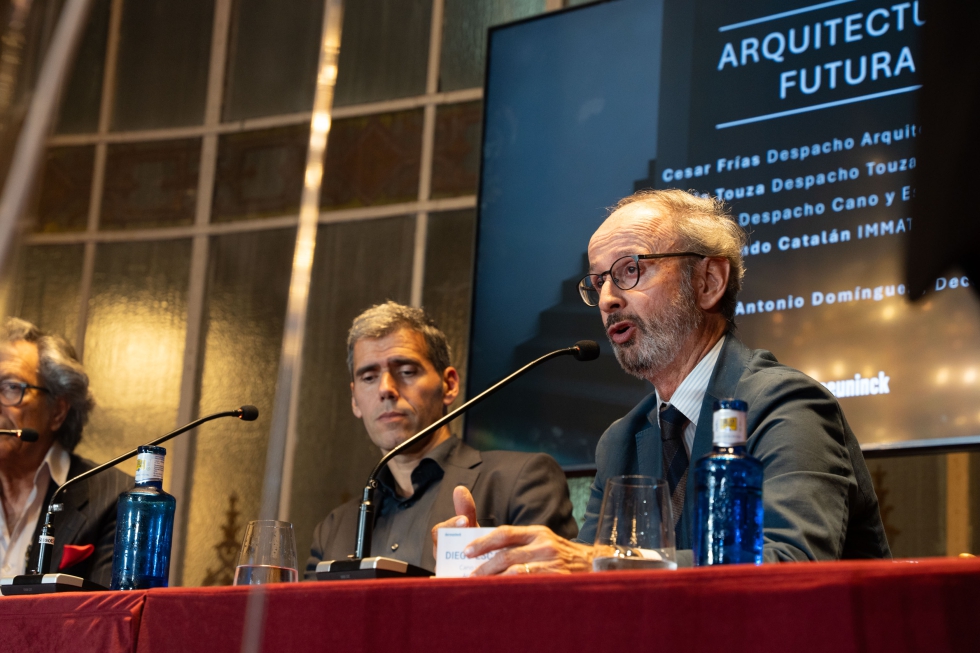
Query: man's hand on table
{"points": [[522, 549], [529, 550]]}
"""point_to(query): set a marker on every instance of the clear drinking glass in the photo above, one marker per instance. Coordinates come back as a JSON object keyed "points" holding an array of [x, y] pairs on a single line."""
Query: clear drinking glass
{"points": [[636, 526], [268, 554]]}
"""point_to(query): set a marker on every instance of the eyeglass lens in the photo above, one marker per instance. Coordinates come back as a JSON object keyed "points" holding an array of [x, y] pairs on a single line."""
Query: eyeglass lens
{"points": [[625, 273], [11, 393]]}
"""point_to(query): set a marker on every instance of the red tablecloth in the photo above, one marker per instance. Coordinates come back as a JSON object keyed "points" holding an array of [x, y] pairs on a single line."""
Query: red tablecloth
{"points": [[98, 622], [841, 607], [864, 607]]}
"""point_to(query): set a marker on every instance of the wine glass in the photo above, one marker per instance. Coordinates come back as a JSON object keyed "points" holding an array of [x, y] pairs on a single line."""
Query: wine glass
{"points": [[268, 554], [636, 526]]}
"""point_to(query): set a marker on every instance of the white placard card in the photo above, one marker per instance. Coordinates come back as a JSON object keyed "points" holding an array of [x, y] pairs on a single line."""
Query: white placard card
{"points": [[451, 562]]}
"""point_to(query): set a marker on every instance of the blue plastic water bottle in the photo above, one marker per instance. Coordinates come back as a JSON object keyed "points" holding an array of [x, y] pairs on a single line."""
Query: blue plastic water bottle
{"points": [[728, 528], [144, 527]]}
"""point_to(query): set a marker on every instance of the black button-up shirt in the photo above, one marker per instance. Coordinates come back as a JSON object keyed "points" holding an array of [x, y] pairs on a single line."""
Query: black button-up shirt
{"points": [[402, 522]]}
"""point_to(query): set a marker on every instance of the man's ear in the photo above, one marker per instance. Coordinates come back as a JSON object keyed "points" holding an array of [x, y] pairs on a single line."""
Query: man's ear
{"points": [[450, 385], [713, 283], [59, 414], [353, 403]]}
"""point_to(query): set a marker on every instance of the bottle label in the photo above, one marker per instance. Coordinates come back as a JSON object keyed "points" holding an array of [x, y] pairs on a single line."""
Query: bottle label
{"points": [[149, 467], [729, 427], [46, 539]]}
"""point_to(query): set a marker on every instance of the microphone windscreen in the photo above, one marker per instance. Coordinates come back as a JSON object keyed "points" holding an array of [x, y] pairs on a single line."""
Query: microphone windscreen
{"points": [[248, 413], [28, 435], [587, 350]]}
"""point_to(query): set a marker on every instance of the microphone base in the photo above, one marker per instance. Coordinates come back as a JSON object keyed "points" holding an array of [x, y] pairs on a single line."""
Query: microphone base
{"points": [[47, 584], [368, 568]]}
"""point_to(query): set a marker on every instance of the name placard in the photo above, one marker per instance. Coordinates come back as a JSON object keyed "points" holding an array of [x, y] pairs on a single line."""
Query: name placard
{"points": [[451, 562]]}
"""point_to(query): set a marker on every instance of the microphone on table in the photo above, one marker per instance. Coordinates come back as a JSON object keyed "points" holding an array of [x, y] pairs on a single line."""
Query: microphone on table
{"points": [[38, 580], [26, 435], [357, 566]]}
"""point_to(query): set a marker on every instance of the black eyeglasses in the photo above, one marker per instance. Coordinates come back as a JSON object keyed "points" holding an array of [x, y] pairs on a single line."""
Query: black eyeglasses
{"points": [[12, 392], [625, 273]]}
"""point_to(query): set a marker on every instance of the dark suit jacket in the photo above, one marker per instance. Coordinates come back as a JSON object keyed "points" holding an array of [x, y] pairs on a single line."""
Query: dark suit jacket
{"points": [[508, 487], [817, 492], [88, 517]]}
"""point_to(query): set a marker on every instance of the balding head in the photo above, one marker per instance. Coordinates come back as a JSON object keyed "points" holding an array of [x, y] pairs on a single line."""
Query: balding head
{"points": [[674, 220]]}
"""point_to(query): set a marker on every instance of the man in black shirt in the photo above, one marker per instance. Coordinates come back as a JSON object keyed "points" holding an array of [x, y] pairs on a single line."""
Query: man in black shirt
{"points": [[401, 382]]}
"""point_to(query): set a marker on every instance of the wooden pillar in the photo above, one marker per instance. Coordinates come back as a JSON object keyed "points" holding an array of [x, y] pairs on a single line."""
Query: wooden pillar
{"points": [[958, 536]]}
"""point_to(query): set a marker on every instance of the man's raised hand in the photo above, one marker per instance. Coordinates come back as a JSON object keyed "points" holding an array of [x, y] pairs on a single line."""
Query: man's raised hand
{"points": [[465, 514]]}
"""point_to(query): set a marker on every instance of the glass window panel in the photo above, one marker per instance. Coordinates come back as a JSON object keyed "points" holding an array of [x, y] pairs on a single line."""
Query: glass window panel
{"points": [[273, 56], [164, 50], [150, 184], [456, 151], [448, 282], [248, 284], [134, 344], [260, 173], [27, 31], [44, 289], [65, 189], [83, 94], [385, 50], [464, 37], [373, 160], [357, 265]]}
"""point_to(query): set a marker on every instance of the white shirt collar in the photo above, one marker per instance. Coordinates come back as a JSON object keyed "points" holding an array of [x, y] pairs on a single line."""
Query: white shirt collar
{"points": [[690, 393], [58, 461], [15, 538]]}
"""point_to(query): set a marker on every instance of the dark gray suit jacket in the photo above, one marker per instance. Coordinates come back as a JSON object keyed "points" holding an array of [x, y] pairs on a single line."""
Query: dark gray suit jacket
{"points": [[88, 517], [819, 500], [509, 488]]}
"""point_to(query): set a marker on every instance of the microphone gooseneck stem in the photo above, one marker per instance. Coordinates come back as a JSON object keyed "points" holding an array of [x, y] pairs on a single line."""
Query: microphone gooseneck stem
{"points": [[46, 540], [130, 454], [365, 520], [445, 419], [45, 546]]}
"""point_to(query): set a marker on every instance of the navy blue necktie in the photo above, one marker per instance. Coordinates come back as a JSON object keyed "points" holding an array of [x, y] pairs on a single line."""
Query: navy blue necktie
{"points": [[674, 455]]}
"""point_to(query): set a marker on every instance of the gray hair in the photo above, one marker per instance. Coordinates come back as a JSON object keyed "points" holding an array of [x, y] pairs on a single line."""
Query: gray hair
{"points": [[384, 319], [60, 372], [703, 225]]}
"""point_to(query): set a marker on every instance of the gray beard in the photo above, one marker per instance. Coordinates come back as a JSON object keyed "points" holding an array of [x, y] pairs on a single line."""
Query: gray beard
{"points": [[660, 337]]}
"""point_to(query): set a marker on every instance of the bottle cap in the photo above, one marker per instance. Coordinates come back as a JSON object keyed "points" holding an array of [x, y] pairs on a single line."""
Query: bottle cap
{"points": [[733, 404], [729, 422], [149, 464]]}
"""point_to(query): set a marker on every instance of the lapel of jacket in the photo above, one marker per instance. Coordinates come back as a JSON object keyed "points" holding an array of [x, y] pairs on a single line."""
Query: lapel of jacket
{"points": [[67, 522], [722, 385], [647, 439], [70, 520], [462, 468]]}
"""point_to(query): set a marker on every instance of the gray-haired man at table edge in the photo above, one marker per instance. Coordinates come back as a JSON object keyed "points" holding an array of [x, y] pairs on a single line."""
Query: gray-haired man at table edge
{"points": [[44, 387], [401, 382], [665, 270]]}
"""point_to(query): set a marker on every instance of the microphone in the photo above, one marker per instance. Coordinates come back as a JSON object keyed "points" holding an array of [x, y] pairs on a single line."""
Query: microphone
{"points": [[247, 413], [26, 435], [33, 582], [583, 350], [586, 350]]}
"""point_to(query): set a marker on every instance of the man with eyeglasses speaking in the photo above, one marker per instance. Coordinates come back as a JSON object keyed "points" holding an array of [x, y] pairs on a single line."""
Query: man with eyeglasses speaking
{"points": [[44, 388], [665, 271]]}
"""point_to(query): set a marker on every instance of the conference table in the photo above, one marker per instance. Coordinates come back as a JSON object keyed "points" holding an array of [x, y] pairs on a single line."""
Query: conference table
{"points": [[864, 607]]}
